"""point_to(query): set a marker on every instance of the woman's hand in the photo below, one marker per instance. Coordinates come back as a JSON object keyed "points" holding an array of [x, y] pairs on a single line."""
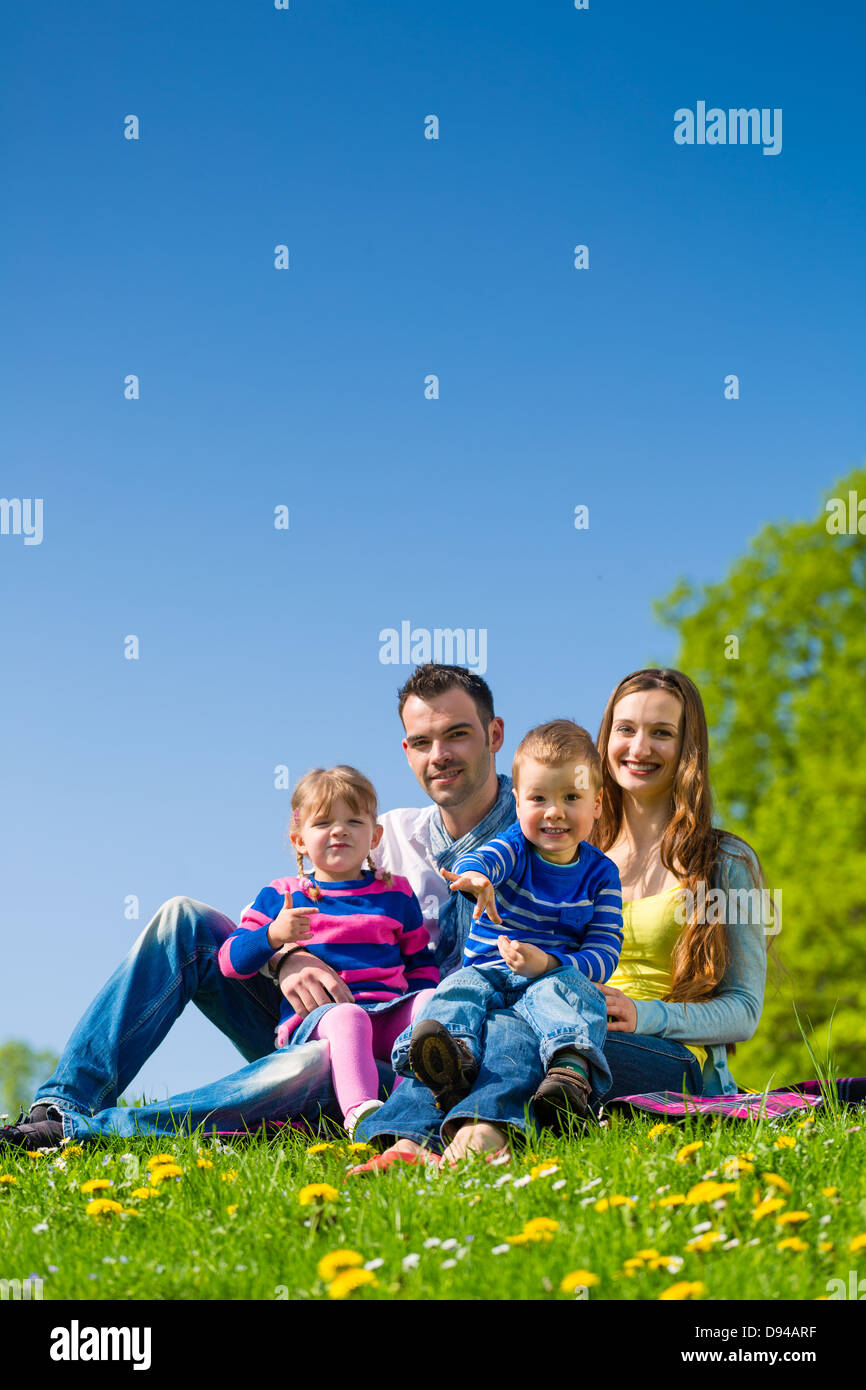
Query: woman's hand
{"points": [[621, 1012], [481, 889], [291, 924]]}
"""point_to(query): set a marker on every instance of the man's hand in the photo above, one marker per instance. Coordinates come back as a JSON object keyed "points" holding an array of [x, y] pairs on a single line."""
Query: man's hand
{"points": [[481, 889], [621, 1012], [525, 959], [291, 923], [307, 982]]}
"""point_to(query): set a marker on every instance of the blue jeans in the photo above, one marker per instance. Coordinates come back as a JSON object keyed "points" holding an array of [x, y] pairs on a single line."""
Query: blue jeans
{"points": [[173, 963], [564, 1010], [511, 1072]]}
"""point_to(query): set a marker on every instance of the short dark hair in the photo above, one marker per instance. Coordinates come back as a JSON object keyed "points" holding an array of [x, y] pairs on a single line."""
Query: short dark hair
{"points": [[430, 680]]}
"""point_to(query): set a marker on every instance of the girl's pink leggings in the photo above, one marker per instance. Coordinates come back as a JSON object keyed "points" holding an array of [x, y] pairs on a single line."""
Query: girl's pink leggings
{"points": [[357, 1038]]}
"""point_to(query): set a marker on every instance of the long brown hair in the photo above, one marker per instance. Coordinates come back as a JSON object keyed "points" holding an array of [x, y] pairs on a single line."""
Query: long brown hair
{"points": [[690, 844]]}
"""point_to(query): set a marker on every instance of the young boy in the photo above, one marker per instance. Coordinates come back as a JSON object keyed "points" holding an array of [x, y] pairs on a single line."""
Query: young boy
{"points": [[556, 935]]}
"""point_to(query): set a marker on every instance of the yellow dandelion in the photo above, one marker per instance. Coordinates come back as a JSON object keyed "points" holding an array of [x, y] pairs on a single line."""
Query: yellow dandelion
{"points": [[33, 1153], [617, 1200], [229, 1175], [684, 1154], [350, 1280], [803, 1124], [735, 1167], [96, 1184], [765, 1208], [522, 1239], [829, 1191], [232, 1208], [71, 1150], [632, 1264], [545, 1168], [158, 1160], [203, 1163], [745, 1156], [791, 1218], [792, 1243], [710, 1191], [317, 1192], [578, 1279], [657, 1130], [143, 1192], [825, 1246], [647, 1254], [673, 1199], [539, 1225], [101, 1206], [858, 1243], [318, 1149], [773, 1180], [785, 1141], [166, 1170], [703, 1242], [685, 1289], [8, 1177], [329, 1266], [356, 1148]]}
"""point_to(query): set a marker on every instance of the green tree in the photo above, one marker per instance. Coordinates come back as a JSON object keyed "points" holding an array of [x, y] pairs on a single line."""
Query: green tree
{"points": [[778, 651], [21, 1070]]}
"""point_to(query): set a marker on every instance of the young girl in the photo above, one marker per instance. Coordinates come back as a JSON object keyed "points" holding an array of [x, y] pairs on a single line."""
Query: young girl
{"points": [[369, 929]]}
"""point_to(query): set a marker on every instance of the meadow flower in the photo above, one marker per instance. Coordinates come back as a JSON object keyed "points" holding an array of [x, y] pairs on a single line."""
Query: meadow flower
{"points": [[157, 1160], [825, 1246], [316, 1192], [773, 1180], [578, 1279], [95, 1184], [673, 1200], [355, 1148], [785, 1141], [166, 1170], [646, 1254], [8, 1177], [657, 1130], [765, 1208], [734, 1167], [500, 1250], [232, 1208], [431, 1242], [101, 1206], [448, 1264], [858, 1243], [374, 1264], [410, 1262], [143, 1192], [318, 1149], [203, 1163], [683, 1290], [790, 1218], [829, 1191], [42, 1226], [229, 1175], [709, 1191], [555, 1186], [703, 1242], [684, 1154], [617, 1200], [792, 1243], [350, 1280], [69, 1148], [543, 1170], [329, 1266], [539, 1225]]}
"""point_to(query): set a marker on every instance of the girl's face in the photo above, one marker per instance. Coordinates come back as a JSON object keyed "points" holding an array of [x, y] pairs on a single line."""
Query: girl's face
{"points": [[646, 738], [337, 841]]}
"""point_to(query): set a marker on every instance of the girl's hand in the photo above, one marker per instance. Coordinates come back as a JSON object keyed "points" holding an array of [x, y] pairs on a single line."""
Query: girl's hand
{"points": [[291, 924], [525, 959], [481, 889], [621, 1012]]}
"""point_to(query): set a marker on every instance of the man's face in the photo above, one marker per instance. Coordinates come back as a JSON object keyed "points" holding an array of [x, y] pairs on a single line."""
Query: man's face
{"points": [[449, 750]]}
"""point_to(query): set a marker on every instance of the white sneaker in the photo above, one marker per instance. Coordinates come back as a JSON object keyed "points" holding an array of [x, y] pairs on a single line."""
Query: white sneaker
{"points": [[359, 1113]]}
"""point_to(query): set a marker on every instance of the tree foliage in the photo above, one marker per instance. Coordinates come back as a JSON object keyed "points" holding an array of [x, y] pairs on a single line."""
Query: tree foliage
{"points": [[787, 718], [22, 1070]]}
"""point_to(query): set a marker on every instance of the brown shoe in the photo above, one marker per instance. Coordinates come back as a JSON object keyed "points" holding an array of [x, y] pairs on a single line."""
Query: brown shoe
{"points": [[563, 1095], [442, 1063]]}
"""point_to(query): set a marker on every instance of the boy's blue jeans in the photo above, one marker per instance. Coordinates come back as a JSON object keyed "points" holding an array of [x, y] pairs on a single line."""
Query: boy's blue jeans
{"points": [[173, 963], [564, 1009]]}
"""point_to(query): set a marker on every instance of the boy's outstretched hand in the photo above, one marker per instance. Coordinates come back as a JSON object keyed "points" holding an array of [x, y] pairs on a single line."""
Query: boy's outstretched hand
{"points": [[481, 889], [291, 924], [524, 959]]}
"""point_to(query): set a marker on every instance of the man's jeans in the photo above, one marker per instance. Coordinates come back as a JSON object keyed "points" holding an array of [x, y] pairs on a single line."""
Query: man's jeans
{"points": [[173, 962], [564, 1009], [511, 1072]]}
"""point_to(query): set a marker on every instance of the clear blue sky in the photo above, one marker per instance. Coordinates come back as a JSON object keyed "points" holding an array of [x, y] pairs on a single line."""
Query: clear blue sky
{"points": [[305, 387]]}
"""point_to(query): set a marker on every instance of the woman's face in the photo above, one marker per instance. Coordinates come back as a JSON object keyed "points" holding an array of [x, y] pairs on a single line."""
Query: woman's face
{"points": [[646, 737]]}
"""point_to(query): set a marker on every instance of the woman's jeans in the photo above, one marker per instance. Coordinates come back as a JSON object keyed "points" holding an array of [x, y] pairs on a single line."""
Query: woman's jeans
{"points": [[564, 1009], [510, 1074], [173, 963]]}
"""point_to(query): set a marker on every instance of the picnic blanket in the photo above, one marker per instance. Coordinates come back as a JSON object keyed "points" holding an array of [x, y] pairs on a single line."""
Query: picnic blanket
{"points": [[801, 1097]]}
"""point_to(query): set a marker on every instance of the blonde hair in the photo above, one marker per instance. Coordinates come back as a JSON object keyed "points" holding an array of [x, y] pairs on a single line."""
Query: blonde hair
{"points": [[316, 794], [556, 743]]}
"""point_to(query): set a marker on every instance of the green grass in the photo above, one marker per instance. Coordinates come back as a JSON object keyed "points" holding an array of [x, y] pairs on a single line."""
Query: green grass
{"points": [[184, 1243]]}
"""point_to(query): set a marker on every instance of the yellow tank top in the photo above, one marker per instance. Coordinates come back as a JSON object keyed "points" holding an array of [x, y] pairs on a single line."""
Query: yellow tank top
{"points": [[649, 934]]}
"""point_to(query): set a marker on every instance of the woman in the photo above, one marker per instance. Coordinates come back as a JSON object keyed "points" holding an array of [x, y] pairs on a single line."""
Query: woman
{"points": [[690, 981]]}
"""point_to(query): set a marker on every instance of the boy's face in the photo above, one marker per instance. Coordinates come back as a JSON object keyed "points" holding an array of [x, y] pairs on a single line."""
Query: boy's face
{"points": [[556, 808]]}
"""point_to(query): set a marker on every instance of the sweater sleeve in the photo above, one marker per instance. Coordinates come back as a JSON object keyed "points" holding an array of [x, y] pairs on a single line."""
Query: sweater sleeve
{"points": [[497, 860], [598, 955], [734, 1011], [244, 953]]}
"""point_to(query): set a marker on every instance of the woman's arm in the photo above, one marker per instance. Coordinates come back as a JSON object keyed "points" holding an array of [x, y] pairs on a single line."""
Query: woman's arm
{"points": [[733, 1013]]}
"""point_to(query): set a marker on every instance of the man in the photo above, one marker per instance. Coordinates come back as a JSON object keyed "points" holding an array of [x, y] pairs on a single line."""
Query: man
{"points": [[451, 740]]}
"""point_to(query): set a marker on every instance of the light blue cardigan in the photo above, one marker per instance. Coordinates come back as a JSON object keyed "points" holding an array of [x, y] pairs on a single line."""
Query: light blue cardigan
{"points": [[733, 1013]]}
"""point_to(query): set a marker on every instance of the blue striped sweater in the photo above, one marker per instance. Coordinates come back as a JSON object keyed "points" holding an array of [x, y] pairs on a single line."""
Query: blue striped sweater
{"points": [[571, 911]]}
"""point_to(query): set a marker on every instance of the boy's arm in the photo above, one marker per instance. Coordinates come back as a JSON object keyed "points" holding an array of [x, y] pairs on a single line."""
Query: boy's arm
{"points": [[598, 954], [497, 861]]}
